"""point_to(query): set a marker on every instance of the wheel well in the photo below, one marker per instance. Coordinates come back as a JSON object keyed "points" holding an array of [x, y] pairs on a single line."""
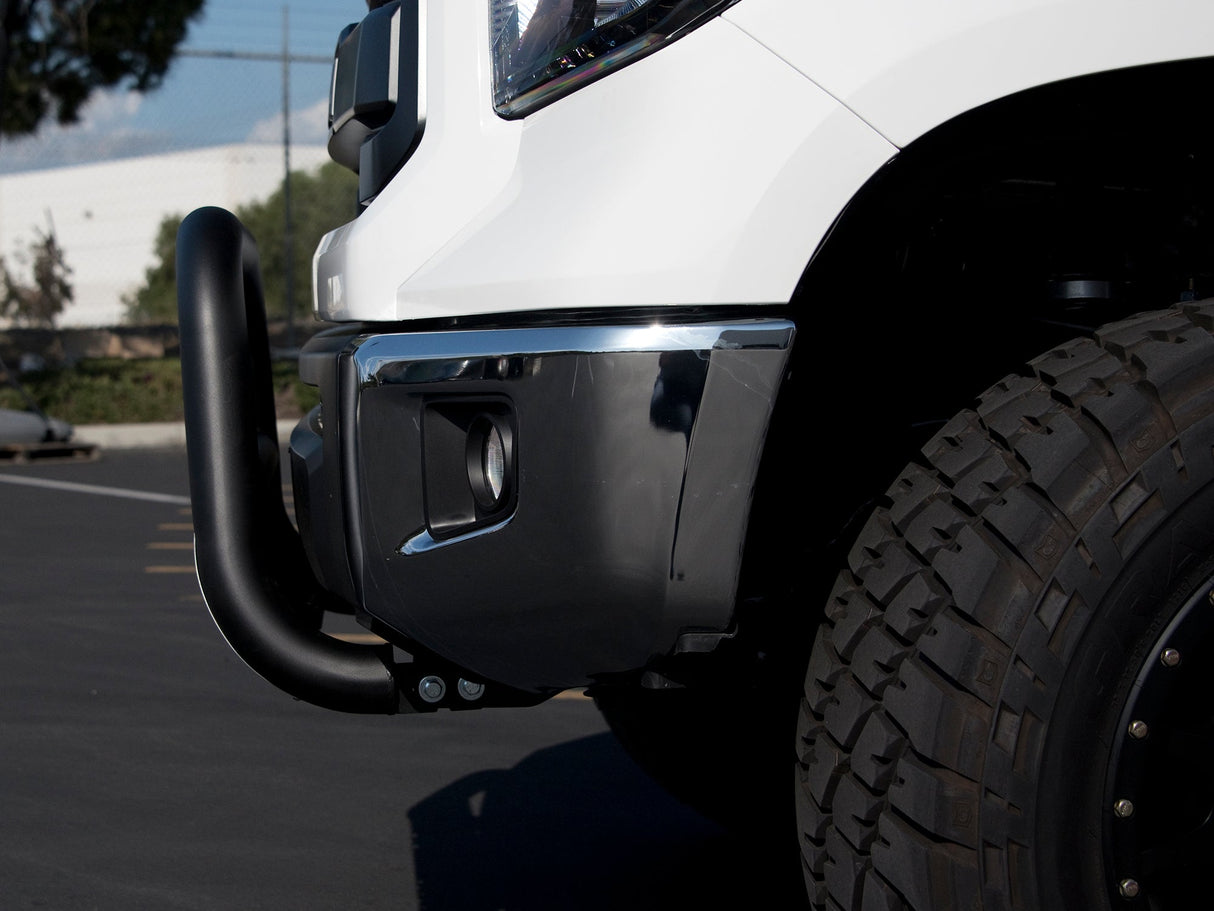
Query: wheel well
{"points": [[990, 239]]}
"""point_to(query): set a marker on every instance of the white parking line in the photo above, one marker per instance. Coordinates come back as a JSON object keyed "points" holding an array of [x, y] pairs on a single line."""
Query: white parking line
{"points": [[72, 487]]}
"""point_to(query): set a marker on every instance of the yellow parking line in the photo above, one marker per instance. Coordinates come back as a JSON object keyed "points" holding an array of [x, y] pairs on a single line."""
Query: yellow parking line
{"points": [[175, 526], [360, 638], [571, 694], [162, 570], [170, 545]]}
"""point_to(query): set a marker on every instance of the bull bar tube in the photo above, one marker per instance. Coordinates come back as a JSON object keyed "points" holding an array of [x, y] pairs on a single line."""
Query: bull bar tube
{"points": [[255, 577]]}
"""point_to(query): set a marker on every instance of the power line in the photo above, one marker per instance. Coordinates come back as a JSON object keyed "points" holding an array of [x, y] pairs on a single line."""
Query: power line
{"points": [[267, 56]]}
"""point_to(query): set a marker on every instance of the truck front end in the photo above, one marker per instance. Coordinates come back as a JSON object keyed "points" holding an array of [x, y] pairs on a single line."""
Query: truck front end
{"points": [[564, 438], [555, 354]]}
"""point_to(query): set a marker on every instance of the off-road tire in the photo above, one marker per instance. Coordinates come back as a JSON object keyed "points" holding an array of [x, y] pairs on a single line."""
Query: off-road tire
{"points": [[963, 703]]}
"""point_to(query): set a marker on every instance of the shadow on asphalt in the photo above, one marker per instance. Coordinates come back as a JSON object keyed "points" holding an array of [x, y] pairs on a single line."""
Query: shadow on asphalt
{"points": [[579, 826]]}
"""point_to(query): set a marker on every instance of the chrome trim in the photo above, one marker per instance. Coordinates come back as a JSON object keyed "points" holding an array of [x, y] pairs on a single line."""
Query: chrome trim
{"points": [[394, 57], [423, 542], [374, 353]]}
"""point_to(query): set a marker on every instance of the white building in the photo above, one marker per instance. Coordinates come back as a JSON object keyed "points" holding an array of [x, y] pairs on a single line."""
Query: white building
{"points": [[105, 215]]}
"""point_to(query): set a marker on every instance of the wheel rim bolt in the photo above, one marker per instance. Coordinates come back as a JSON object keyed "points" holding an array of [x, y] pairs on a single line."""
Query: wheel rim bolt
{"points": [[1128, 888], [1170, 657], [1124, 808], [1138, 729]]}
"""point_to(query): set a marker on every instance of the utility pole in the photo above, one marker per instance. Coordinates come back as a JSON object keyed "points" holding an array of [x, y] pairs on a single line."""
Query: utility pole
{"points": [[288, 233]]}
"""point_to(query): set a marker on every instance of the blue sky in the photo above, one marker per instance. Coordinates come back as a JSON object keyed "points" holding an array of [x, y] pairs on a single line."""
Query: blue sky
{"points": [[205, 101]]}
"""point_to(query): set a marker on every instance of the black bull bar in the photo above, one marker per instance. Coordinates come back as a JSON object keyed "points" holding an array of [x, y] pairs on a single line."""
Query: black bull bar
{"points": [[258, 584]]}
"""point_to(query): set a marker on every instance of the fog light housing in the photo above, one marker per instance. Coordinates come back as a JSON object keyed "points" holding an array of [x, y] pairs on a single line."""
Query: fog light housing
{"points": [[486, 459], [469, 464]]}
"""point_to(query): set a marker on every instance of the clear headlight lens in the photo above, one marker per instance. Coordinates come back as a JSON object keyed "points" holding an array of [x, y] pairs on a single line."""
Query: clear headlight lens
{"points": [[543, 49]]}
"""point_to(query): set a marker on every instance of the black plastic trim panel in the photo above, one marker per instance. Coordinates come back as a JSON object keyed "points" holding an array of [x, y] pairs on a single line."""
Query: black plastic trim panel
{"points": [[635, 449]]}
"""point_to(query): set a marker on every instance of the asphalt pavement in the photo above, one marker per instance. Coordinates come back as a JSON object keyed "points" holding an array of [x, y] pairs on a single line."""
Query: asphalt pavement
{"points": [[143, 766]]}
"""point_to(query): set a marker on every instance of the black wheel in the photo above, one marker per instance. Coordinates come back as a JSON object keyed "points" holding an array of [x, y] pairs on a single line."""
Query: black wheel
{"points": [[1009, 703]]}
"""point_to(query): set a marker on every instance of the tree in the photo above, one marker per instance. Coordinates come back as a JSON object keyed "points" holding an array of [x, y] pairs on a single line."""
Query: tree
{"points": [[55, 53], [320, 202], [40, 302], [155, 301]]}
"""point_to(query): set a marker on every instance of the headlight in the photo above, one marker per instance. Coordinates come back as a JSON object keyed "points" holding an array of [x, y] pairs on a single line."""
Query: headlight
{"points": [[543, 49]]}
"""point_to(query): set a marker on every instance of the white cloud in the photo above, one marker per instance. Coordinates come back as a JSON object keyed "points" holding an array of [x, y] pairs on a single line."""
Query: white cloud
{"points": [[107, 110], [105, 129], [309, 125]]}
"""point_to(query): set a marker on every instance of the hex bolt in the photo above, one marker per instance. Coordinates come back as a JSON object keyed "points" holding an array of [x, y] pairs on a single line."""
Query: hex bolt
{"points": [[1124, 808], [431, 689], [470, 690], [1128, 888], [1170, 657], [1139, 729]]}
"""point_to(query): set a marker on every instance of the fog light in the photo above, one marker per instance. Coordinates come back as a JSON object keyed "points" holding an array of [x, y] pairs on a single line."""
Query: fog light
{"points": [[486, 460], [495, 463]]}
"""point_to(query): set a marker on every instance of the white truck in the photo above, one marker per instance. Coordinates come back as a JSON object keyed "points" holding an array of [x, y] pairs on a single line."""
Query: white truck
{"points": [[657, 368]]}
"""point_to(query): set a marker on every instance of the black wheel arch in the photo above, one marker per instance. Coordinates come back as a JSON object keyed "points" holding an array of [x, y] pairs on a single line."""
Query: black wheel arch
{"points": [[960, 260]]}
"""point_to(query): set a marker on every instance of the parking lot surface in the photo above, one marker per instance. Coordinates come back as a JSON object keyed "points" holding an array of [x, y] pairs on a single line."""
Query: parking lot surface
{"points": [[142, 765]]}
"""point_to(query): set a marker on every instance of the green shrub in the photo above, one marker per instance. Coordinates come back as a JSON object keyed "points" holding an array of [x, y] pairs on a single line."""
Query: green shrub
{"points": [[117, 391]]}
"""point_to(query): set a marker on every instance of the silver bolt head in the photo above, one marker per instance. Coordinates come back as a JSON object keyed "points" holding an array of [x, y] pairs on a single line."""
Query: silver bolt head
{"points": [[1128, 888], [470, 690], [431, 689], [1170, 657], [1138, 729], [1124, 808]]}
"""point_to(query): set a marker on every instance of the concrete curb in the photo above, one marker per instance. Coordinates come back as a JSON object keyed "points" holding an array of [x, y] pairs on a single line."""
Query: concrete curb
{"points": [[148, 436]]}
